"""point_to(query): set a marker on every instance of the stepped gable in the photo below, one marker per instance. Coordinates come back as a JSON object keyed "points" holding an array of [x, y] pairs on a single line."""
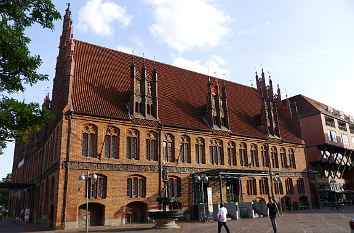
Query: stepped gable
{"points": [[101, 86]]}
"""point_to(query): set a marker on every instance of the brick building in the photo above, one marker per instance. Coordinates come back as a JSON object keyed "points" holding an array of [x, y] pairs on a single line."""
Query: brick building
{"points": [[127, 118], [329, 137]]}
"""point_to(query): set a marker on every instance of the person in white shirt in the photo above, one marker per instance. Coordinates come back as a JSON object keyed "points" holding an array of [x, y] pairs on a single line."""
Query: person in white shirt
{"points": [[222, 218]]}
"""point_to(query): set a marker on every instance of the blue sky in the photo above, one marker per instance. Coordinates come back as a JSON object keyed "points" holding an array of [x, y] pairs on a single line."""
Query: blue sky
{"points": [[307, 46]]}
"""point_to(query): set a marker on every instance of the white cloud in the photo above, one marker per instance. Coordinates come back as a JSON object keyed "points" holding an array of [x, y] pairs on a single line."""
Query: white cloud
{"points": [[97, 15], [247, 32], [211, 67], [124, 49], [186, 24]]}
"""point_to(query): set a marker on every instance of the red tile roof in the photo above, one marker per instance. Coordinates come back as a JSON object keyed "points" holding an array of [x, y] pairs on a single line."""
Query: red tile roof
{"points": [[307, 106], [101, 86]]}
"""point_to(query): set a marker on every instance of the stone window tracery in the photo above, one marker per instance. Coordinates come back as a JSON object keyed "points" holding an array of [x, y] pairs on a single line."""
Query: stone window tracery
{"points": [[168, 148], [111, 143], [216, 152], [200, 151], [89, 141], [133, 144], [284, 162], [184, 150], [274, 155], [151, 146], [254, 155], [243, 154], [231, 153]]}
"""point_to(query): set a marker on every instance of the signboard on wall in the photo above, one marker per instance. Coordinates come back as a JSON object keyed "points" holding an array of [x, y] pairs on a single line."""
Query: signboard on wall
{"points": [[210, 199]]}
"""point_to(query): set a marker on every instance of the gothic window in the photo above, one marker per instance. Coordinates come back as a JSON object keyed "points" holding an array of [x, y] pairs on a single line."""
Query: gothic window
{"points": [[243, 154], [151, 146], [216, 152], [174, 187], [133, 144], [263, 186], [111, 143], [254, 155], [278, 187], [184, 150], [274, 155], [289, 186], [89, 143], [284, 162], [200, 151], [149, 89], [300, 186], [251, 186], [168, 148], [292, 163], [264, 156], [136, 187], [231, 153], [97, 189]]}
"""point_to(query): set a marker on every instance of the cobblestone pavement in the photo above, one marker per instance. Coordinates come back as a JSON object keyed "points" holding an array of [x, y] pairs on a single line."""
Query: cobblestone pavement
{"points": [[309, 221]]}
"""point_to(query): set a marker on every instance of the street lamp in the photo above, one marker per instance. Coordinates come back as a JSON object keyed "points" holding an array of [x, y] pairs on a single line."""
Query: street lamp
{"points": [[202, 179], [278, 181], [93, 178]]}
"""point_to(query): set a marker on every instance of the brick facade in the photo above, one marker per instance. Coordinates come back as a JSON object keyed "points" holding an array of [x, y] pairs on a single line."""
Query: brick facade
{"points": [[53, 161]]}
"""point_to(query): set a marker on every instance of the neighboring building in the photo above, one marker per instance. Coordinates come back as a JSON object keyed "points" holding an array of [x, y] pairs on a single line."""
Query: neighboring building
{"points": [[128, 118], [329, 138]]}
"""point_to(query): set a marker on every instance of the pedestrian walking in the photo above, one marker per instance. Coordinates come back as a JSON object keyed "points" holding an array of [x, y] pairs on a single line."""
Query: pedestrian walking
{"points": [[222, 218], [273, 212]]}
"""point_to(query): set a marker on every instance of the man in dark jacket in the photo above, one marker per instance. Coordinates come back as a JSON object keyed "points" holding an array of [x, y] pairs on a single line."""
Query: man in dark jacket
{"points": [[273, 212]]}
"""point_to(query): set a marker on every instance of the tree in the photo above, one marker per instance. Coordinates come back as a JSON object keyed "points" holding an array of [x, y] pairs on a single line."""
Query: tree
{"points": [[4, 193], [18, 67]]}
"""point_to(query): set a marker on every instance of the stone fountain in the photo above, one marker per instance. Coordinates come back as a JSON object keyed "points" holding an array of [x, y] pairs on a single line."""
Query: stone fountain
{"points": [[165, 218]]}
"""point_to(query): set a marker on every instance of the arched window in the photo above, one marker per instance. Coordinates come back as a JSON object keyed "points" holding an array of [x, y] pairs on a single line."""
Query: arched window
{"points": [[289, 186], [278, 187], [111, 143], [243, 154], [216, 152], [263, 186], [136, 187], [174, 186], [300, 186], [200, 151], [274, 155], [264, 156], [251, 186], [284, 162], [292, 163], [97, 189], [89, 141], [231, 153], [168, 148], [133, 144], [254, 155], [151, 146], [184, 150]]}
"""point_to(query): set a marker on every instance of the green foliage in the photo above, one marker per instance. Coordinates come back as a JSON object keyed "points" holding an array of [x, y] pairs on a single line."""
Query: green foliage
{"points": [[4, 193], [18, 67]]}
